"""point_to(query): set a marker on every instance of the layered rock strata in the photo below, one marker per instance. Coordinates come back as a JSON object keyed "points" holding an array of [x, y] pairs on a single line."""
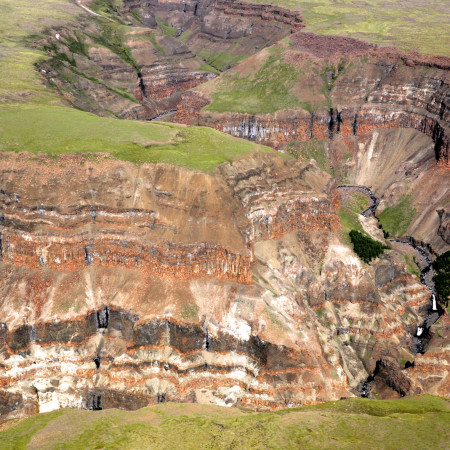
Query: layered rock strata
{"points": [[252, 299], [397, 90], [141, 73]]}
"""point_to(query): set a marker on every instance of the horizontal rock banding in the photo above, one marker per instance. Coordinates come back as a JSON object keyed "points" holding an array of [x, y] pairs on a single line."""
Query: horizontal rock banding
{"points": [[108, 249], [170, 358], [397, 90]]}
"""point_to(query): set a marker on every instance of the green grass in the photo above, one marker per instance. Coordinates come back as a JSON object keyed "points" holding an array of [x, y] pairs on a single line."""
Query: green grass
{"points": [[411, 266], [414, 25], [112, 36], [21, 22], [56, 130], [267, 91], [397, 218], [409, 423], [313, 148], [221, 61], [24, 431], [190, 311], [166, 29]]}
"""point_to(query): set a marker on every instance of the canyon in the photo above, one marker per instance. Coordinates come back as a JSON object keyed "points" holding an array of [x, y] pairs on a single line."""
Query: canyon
{"points": [[125, 284]]}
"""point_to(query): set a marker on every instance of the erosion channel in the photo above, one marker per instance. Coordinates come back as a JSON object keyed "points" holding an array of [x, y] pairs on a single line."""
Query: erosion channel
{"points": [[425, 263]]}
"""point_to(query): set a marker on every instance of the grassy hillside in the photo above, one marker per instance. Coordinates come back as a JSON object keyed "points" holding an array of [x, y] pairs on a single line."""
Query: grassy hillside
{"points": [[33, 118], [56, 130], [413, 25], [409, 423]]}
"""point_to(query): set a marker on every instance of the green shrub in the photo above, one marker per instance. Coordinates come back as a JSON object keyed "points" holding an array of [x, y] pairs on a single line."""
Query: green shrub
{"points": [[365, 247], [442, 277], [442, 263]]}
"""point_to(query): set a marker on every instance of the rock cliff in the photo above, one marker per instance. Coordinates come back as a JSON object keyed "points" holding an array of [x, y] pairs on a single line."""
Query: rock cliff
{"points": [[152, 283], [358, 88], [124, 285]]}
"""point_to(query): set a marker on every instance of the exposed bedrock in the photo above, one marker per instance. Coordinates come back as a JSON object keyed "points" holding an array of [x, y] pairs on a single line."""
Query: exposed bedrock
{"points": [[216, 22], [160, 219], [115, 337], [140, 72], [370, 89], [148, 82], [400, 167], [250, 298]]}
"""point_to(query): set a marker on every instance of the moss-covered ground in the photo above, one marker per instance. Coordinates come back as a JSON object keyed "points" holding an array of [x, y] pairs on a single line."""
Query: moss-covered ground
{"points": [[397, 218], [408, 423], [265, 91]]}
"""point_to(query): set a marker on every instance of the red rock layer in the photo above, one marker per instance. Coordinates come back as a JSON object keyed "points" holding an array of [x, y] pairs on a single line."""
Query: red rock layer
{"points": [[120, 249], [367, 88]]}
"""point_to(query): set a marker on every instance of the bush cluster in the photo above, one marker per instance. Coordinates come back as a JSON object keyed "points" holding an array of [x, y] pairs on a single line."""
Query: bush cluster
{"points": [[442, 276], [366, 247]]}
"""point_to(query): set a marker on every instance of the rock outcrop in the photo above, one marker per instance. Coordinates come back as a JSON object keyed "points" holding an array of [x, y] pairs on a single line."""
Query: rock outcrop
{"points": [[144, 284], [166, 49], [359, 88]]}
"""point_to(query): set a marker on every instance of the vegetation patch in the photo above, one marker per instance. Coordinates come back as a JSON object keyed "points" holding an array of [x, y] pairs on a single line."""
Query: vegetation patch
{"points": [[442, 276], [56, 130], [109, 8], [396, 219], [267, 91], [312, 149], [275, 320], [221, 60], [112, 37], [407, 423], [411, 266], [190, 311], [415, 25], [165, 28], [366, 247]]}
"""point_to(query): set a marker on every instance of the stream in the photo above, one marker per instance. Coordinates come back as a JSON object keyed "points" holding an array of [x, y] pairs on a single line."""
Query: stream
{"points": [[425, 263]]}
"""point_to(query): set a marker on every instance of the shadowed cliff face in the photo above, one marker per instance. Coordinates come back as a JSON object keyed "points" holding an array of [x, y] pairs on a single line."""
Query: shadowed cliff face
{"points": [[152, 283]]}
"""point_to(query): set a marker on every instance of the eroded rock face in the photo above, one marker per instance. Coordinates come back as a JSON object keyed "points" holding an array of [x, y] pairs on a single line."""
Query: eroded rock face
{"points": [[155, 283], [216, 24], [141, 73], [366, 89]]}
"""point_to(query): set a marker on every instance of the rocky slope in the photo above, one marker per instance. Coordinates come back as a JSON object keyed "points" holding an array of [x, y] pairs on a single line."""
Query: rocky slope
{"points": [[152, 283], [124, 285], [380, 116], [137, 65], [349, 88]]}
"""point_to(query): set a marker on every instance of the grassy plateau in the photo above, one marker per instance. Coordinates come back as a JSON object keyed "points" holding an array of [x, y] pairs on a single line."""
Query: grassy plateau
{"points": [[35, 119], [56, 130], [411, 25], [409, 423]]}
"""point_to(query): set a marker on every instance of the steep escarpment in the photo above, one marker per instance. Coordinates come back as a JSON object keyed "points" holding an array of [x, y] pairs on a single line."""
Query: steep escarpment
{"points": [[152, 283], [222, 32], [348, 90], [129, 217], [137, 61]]}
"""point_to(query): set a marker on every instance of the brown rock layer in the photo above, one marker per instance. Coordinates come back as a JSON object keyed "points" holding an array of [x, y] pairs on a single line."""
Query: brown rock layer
{"points": [[366, 88]]}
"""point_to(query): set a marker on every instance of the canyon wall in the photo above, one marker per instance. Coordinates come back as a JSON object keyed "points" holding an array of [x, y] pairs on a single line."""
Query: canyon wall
{"points": [[152, 283], [140, 71], [358, 88]]}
